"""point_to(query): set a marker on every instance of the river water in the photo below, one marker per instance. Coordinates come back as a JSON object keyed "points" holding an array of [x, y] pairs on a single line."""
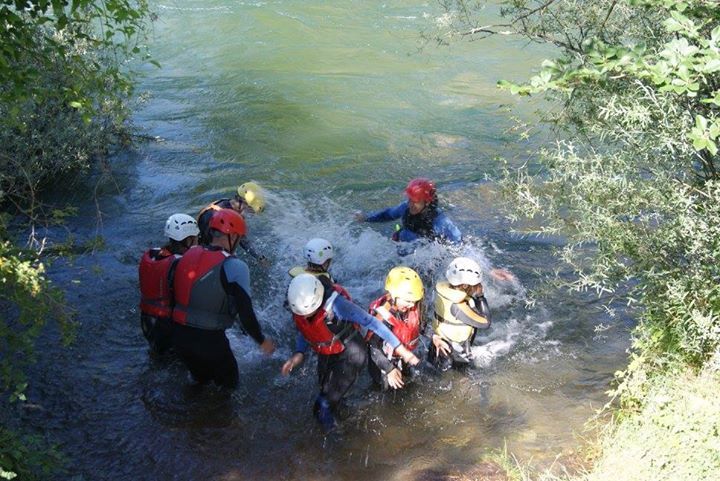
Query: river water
{"points": [[332, 107]]}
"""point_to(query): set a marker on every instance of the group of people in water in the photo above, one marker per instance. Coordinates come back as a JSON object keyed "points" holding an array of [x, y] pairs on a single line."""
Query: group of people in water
{"points": [[194, 288]]}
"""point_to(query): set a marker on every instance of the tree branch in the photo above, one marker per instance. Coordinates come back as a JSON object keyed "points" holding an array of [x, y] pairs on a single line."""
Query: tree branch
{"points": [[541, 7], [487, 29], [609, 12]]}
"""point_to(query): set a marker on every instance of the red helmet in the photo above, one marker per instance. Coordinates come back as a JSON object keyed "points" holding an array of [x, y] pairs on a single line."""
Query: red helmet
{"points": [[228, 221], [420, 190]]}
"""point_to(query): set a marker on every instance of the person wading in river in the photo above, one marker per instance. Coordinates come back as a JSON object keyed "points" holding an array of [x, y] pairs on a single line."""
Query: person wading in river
{"points": [[155, 273], [421, 218], [319, 254], [460, 309], [249, 198], [328, 323], [212, 290], [420, 215], [400, 309]]}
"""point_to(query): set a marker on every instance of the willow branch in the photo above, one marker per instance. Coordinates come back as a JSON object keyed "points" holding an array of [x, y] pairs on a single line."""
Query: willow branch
{"points": [[488, 29], [520, 18], [541, 7], [607, 16]]}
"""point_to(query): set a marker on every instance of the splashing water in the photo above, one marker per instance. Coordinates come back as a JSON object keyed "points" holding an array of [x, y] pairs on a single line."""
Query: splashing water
{"points": [[363, 256]]}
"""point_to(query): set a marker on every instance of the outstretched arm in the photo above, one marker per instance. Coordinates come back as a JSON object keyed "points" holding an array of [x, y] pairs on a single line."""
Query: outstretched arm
{"points": [[349, 312], [235, 279], [391, 213], [445, 229]]}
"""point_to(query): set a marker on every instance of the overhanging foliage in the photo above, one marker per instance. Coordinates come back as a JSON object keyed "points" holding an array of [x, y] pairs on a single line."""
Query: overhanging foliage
{"points": [[633, 176]]}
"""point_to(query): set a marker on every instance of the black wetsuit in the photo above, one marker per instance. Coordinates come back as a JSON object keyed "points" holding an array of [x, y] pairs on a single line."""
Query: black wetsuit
{"points": [[206, 352]]}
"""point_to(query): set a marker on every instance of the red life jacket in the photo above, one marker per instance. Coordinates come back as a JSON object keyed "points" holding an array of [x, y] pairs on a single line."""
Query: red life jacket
{"points": [[155, 290], [200, 299], [407, 330], [325, 336]]}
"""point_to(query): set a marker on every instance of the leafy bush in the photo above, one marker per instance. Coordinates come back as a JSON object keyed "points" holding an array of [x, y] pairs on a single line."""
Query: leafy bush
{"points": [[26, 458], [27, 301], [64, 87], [632, 181], [64, 90]]}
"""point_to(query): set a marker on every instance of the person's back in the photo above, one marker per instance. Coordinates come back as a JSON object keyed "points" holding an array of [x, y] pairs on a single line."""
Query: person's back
{"points": [[200, 299], [212, 290], [155, 273]]}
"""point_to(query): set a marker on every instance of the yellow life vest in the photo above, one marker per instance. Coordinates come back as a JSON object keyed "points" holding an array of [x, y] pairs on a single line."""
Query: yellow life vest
{"points": [[445, 324], [297, 270]]}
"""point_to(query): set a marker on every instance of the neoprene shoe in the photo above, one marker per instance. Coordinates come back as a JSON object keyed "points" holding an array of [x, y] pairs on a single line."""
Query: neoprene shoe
{"points": [[324, 414]]}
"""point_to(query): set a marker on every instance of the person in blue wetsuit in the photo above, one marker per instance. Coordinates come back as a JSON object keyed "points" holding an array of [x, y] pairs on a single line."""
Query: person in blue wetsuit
{"points": [[330, 324], [421, 217]]}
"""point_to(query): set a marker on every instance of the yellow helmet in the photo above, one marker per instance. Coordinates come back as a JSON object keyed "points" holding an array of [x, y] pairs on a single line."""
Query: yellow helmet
{"points": [[253, 196], [404, 283]]}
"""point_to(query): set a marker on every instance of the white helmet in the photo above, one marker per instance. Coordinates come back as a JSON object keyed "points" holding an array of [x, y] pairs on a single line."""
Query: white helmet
{"points": [[305, 294], [463, 270], [181, 226], [318, 251]]}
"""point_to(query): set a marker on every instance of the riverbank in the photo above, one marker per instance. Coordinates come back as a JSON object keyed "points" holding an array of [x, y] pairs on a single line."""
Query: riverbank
{"points": [[675, 436]]}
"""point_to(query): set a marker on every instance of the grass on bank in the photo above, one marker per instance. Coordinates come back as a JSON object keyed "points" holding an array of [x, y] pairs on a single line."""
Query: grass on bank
{"points": [[675, 437]]}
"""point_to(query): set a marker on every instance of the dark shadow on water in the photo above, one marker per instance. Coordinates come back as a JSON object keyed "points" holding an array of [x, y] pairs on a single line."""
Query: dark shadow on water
{"points": [[176, 402], [485, 471]]}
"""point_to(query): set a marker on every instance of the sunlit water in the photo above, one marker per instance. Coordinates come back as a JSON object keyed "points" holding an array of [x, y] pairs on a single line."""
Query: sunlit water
{"points": [[333, 107]]}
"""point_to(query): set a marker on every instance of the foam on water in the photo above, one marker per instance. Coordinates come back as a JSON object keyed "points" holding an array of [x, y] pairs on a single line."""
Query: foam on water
{"points": [[364, 254]]}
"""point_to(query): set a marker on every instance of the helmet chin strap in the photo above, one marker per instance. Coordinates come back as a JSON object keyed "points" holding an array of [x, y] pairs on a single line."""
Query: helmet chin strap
{"points": [[232, 245]]}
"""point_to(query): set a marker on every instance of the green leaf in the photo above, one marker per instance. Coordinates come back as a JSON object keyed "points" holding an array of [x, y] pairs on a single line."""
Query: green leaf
{"points": [[711, 66], [712, 147], [672, 25], [714, 130], [699, 142], [701, 122]]}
